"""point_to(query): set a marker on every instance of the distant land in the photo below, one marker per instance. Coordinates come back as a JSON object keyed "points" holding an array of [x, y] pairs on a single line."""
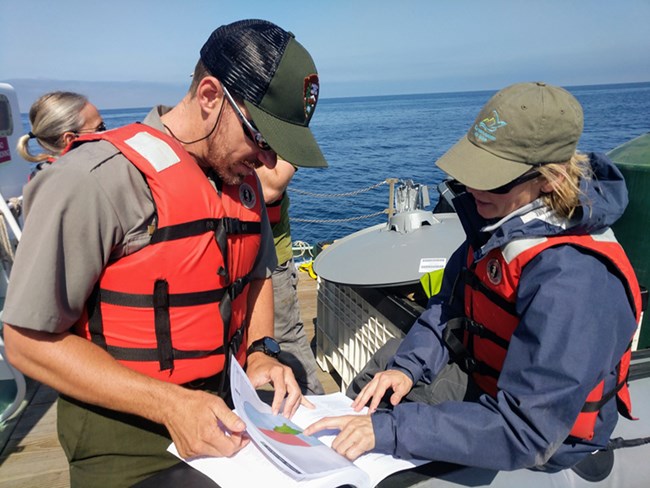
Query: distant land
{"points": [[103, 94], [138, 94]]}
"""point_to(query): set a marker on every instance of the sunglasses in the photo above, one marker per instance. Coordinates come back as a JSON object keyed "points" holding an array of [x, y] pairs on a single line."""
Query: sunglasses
{"points": [[100, 128], [502, 190], [247, 125]]}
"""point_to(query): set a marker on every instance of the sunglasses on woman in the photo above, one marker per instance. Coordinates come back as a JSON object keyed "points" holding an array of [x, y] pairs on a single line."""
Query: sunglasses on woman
{"points": [[502, 190], [100, 128]]}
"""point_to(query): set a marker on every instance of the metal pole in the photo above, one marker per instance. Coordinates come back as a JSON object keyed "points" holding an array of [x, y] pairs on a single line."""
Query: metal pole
{"points": [[391, 197]]}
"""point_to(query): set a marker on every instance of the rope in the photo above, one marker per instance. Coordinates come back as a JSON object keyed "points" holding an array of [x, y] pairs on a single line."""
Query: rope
{"points": [[335, 195], [330, 221], [15, 206], [6, 249], [303, 247]]}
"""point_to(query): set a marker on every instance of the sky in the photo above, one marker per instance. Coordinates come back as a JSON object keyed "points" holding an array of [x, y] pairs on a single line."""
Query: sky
{"points": [[136, 53]]}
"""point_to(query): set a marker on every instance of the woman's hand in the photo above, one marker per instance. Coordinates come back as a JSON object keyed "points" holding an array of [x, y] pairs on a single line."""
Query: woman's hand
{"points": [[356, 435], [375, 390]]}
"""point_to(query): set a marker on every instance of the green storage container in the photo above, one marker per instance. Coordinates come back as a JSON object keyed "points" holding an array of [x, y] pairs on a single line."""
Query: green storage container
{"points": [[633, 159]]}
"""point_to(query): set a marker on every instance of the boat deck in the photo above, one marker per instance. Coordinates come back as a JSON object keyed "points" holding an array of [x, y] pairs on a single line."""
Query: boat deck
{"points": [[32, 455]]}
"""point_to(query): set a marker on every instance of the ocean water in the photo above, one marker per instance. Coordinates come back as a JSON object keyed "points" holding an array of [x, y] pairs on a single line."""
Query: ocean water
{"points": [[367, 140]]}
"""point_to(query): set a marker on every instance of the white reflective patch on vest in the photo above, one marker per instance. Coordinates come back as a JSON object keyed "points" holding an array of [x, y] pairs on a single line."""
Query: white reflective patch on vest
{"points": [[157, 152], [606, 235], [514, 248]]}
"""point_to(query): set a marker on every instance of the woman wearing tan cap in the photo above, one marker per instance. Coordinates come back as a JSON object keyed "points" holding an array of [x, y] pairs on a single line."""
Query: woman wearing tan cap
{"points": [[521, 360]]}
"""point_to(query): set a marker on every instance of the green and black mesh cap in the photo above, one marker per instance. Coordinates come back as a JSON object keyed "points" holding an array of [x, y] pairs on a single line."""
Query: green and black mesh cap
{"points": [[265, 66]]}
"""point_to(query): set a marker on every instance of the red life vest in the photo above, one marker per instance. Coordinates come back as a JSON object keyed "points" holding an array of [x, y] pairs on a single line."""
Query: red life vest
{"points": [[274, 209], [490, 294], [176, 307]]}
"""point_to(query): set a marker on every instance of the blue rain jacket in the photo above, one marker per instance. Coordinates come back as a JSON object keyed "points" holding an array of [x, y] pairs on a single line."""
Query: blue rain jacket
{"points": [[576, 322]]}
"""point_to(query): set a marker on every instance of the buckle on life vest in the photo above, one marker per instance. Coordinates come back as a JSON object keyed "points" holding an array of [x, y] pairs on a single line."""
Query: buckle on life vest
{"points": [[231, 225], [236, 340], [236, 287], [469, 364], [211, 383], [479, 330], [475, 328]]}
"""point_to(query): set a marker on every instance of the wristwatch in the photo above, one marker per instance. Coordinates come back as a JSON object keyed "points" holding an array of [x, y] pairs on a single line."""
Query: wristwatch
{"points": [[267, 345]]}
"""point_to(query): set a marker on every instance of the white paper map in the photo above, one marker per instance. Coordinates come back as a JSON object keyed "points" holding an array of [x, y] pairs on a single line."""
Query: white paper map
{"points": [[280, 456], [281, 440]]}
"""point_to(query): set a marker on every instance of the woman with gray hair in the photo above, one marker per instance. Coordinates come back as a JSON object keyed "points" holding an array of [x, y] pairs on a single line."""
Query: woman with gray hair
{"points": [[57, 118]]}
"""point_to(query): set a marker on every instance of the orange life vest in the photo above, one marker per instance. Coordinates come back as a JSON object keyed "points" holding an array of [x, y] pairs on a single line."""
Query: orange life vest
{"points": [[274, 210], [490, 294], [174, 309]]}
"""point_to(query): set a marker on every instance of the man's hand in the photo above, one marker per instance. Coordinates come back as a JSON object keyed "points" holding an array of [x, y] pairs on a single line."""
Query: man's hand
{"points": [[356, 436], [392, 379], [262, 369], [201, 424]]}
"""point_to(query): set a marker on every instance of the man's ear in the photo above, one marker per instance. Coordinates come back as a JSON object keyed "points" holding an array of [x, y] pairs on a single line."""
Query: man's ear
{"points": [[209, 94]]}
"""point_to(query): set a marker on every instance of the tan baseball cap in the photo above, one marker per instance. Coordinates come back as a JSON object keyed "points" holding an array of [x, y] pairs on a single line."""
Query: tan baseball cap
{"points": [[521, 126]]}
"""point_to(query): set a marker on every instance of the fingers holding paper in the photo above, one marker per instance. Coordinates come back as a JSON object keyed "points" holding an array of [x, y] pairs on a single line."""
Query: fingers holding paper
{"points": [[263, 369], [356, 435], [201, 424]]}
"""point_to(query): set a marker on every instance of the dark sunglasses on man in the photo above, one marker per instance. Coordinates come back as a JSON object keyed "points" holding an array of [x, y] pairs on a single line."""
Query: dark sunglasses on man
{"points": [[247, 125]]}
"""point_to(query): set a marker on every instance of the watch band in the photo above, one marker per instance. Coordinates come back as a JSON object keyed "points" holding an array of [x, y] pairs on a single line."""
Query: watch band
{"points": [[267, 345]]}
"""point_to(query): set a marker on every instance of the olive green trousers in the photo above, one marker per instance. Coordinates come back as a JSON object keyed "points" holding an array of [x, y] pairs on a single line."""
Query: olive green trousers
{"points": [[110, 449]]}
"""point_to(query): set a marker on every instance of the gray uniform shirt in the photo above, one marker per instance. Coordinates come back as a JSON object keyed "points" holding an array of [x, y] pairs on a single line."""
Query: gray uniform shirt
{"points": [[90, 207]]}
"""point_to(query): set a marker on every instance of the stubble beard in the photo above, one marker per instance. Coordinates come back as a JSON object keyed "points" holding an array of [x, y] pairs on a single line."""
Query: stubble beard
{"points": [[216, 159], [228, 171]]}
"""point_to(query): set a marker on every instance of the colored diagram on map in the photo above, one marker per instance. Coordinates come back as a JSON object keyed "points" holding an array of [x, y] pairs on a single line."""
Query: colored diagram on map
{"points": [[279, 438], [279, 428]]}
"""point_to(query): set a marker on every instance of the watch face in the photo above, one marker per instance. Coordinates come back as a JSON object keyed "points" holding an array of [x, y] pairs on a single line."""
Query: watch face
{"points": [[271, 346]]}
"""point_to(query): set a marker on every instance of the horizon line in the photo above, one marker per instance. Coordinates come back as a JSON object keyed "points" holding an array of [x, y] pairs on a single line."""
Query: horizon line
{"points": [[170, 84]]}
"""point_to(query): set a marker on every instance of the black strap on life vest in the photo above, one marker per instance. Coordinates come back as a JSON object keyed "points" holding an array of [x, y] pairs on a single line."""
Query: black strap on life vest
{"points": [[455, 329], [468, 277], [162, 324], [460, 354], [95, 323], [464, 358], [161, 301], [197, 227], [221, 238], [597, 405], [225, 227]]}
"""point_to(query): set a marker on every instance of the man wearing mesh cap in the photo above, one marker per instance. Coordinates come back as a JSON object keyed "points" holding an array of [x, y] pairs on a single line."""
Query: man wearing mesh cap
{"points": [[158, 264]]}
